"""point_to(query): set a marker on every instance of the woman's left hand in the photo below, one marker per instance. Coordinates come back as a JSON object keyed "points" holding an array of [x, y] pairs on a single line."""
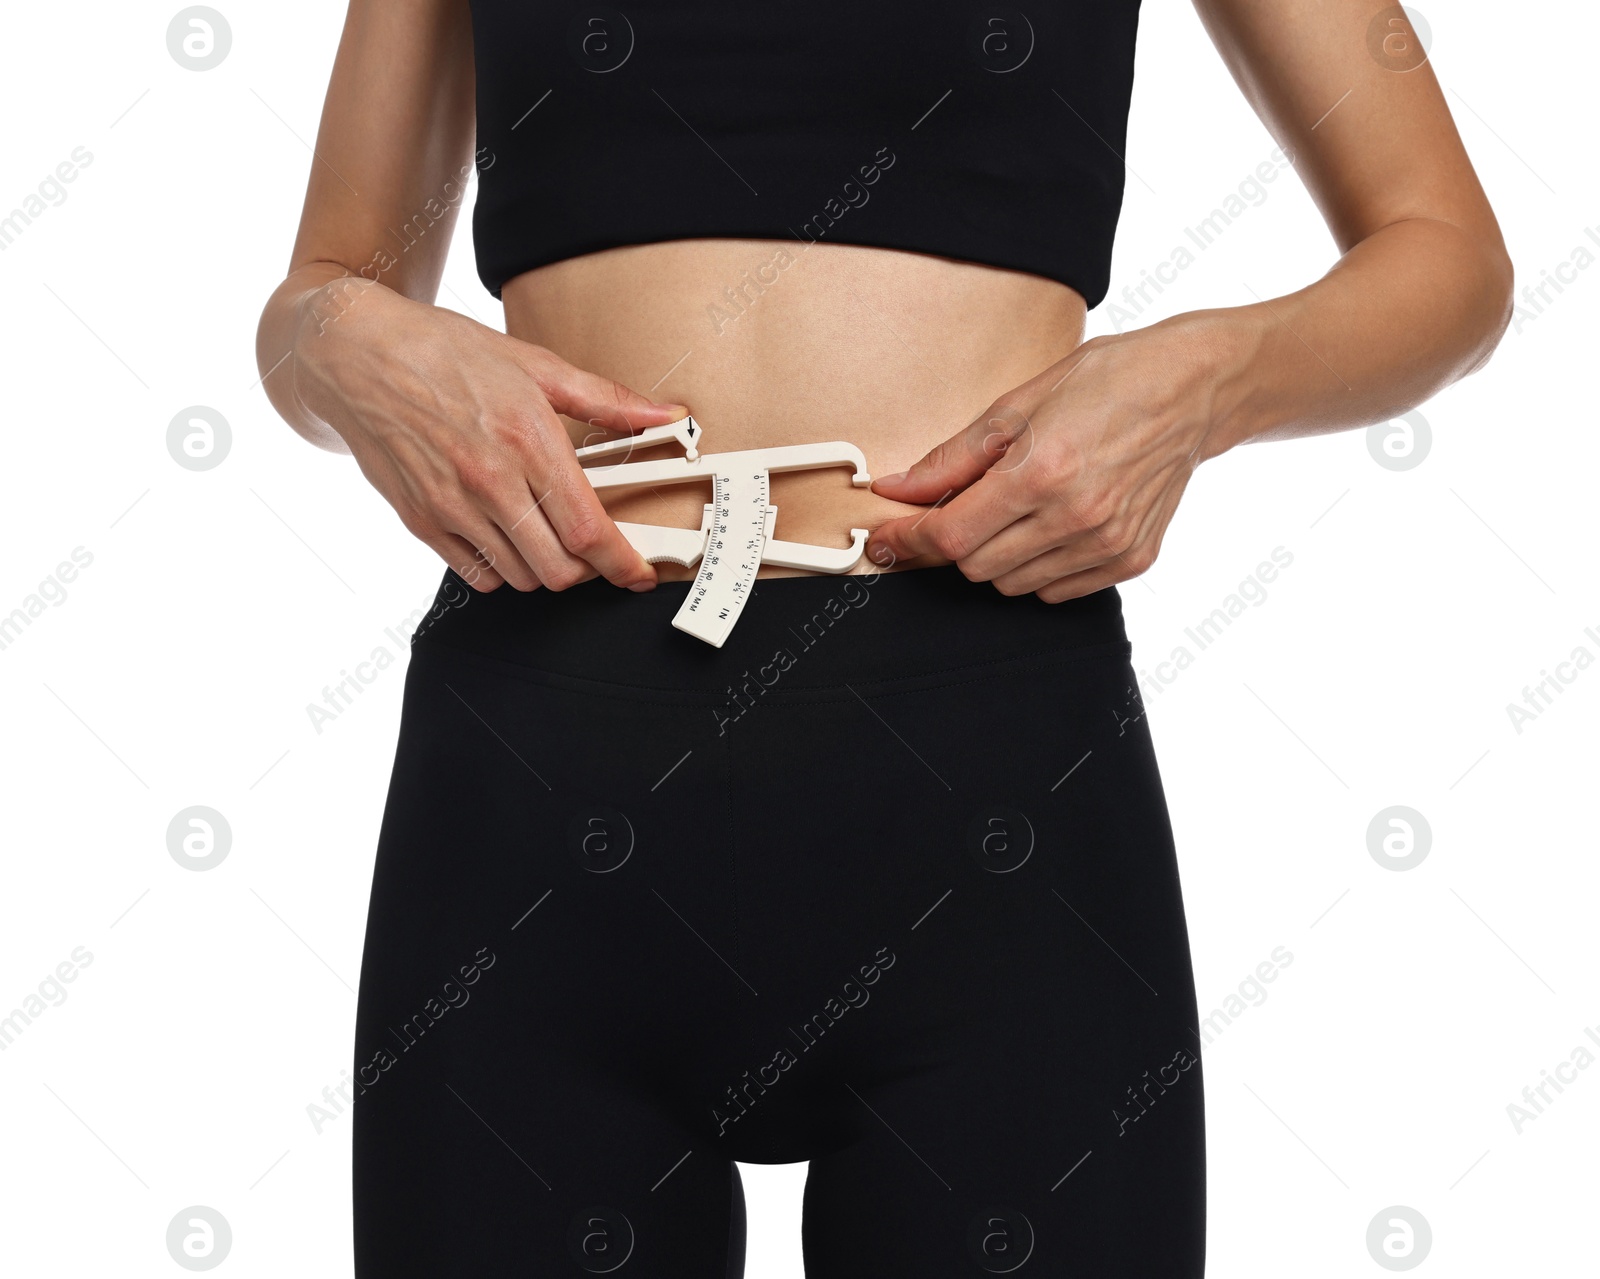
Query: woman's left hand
{"points": [[1066, 484]]}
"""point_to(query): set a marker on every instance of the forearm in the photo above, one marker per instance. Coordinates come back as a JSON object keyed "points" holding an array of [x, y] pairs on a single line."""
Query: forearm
{"points": [[1404, 313]]}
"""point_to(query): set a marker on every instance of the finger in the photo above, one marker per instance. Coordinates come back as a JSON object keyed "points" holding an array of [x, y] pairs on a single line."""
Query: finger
{"points": [[587, 531], [1047, 544], [462, 553], [489, 547], [1076, 528], [496, 511], [465, 561], [537, 542], [598, 400], [1082, 554], [1068, 572], [1001, 432], [500, 550], [905, 538], [537, 483], [1080, 548], [952, 531], [569, 502], [1075, 585]]}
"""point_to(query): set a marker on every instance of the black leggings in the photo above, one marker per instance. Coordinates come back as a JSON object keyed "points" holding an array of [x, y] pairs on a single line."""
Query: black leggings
{"points": [[886, 883]]}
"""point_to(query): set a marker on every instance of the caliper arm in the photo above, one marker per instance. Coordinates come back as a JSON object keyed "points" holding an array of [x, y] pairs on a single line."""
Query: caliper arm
{"points": [[784, 457], [685, 546]]}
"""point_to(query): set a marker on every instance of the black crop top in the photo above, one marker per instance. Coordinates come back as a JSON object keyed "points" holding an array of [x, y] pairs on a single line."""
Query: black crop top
{"points": [[984, 134]]}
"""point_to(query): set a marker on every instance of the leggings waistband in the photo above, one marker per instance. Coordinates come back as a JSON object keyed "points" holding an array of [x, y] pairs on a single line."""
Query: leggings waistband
{"points": [[826, 631]]}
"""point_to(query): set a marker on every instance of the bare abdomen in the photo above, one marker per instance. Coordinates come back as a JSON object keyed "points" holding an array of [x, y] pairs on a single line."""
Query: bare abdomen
{"points": [[772, 342]]}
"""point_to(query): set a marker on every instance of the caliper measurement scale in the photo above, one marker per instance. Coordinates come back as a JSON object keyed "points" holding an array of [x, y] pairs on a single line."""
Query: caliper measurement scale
{"points": [[735, 534], [735, 537]]}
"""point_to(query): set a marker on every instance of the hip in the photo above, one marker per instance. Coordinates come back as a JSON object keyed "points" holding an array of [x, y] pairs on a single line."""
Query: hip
{"points": [[799, 638], [915, 763]]}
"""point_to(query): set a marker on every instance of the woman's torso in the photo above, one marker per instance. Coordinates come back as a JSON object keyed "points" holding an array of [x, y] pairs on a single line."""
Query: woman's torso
{"points": [[823, 222], [891, 351]]}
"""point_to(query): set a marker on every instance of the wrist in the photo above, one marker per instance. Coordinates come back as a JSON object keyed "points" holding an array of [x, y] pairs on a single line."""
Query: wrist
{"points": [[1229, 342], [330, 320], [280, 347], [320, 309]]}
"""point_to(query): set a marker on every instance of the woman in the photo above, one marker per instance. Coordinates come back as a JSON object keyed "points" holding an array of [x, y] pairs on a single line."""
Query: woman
{"points": [[885, 882]]}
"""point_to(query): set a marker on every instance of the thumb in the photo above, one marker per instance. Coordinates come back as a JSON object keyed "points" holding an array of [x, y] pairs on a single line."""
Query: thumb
{"points": [[962, 459], [599, 401]]}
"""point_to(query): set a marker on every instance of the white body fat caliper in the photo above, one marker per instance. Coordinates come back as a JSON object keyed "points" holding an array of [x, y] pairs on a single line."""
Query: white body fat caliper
{"points": [[735, 534]]}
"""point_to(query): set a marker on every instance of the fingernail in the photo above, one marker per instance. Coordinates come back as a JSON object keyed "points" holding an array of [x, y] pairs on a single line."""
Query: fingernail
{"points": [[646, 585], [893, 479]]}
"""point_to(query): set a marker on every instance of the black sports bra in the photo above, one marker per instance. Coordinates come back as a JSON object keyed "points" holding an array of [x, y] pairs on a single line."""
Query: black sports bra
{"points": [[983, 134]]}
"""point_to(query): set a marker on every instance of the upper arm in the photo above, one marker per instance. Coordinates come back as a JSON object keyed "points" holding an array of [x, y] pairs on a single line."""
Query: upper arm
{"points": [[1347, 92], [394, 149]]}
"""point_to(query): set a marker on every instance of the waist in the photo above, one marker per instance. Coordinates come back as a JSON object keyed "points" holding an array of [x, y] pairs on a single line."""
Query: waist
{"points": [[808, 636], [773, 342]]}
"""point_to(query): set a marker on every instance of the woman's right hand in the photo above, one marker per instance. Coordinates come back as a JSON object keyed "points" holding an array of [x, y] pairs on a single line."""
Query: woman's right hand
{"points": [[455, 424]]}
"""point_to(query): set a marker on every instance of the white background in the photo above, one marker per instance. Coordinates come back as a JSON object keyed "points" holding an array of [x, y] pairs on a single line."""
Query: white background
{"points": [[177, 669]]}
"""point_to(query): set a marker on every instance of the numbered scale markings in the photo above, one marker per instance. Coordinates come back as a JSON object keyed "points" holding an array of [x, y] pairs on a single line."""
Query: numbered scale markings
{"points": [[736, 533]]}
